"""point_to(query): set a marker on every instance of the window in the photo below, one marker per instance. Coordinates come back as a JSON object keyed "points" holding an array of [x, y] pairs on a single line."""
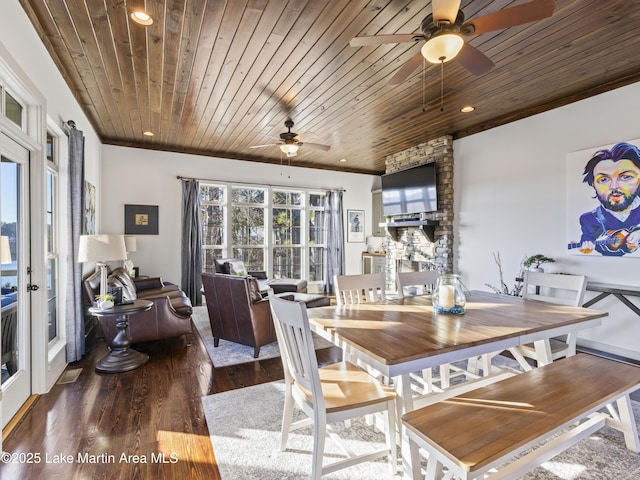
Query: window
{"points": [[316, 237], [11, 108], [236, 219], [213, 216], [248, 209], [52, 237], [287, 224]]}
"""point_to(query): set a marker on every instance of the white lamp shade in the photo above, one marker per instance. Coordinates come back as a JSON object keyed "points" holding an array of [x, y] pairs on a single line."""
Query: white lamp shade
{"points": [[5, 250], [101, 248], [442, 48], [130, 243]]}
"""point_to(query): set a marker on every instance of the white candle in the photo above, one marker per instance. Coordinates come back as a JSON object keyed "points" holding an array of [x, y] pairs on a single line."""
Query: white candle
{"points": [[447, 296]]}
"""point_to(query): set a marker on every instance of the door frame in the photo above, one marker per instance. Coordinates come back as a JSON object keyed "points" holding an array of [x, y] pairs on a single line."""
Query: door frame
{"points": [[47, 361]]}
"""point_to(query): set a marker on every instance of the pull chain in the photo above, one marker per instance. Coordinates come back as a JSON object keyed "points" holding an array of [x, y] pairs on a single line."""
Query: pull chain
{"points": [[424, 80], [442, 84]]}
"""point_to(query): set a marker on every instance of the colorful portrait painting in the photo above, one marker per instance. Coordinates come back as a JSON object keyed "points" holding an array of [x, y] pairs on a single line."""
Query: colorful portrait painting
{"points": [[604, 200]]}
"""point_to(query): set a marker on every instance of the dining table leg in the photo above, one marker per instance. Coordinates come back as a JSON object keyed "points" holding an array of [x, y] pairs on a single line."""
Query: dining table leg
{"points": [[543, 352], [404, 404]]}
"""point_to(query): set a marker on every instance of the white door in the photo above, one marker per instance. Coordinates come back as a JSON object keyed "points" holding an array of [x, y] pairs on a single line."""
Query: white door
{"points": [[14, 278]]}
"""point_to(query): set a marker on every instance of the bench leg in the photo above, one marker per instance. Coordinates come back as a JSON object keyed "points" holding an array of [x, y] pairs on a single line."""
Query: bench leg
{"points": [[628, 424]]}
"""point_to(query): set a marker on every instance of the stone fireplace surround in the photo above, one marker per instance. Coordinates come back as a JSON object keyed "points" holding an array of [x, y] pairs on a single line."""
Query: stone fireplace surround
{"points": [[410, 250]]}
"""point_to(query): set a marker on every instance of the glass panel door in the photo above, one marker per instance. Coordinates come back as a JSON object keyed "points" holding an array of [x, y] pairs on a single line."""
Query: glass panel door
{"points": [[14, 255]]}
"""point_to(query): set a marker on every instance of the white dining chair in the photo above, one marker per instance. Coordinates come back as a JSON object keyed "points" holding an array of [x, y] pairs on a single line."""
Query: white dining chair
{"points": [[559, 289], [424, 282], [364, 288], [327, 395]]}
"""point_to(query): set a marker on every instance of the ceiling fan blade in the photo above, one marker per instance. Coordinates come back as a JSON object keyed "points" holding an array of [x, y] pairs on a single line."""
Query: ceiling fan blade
{"points": [[474, 60], [317, 146], [267, 145], [509, 17], [406, 70], [382, 39], [445, 10]]}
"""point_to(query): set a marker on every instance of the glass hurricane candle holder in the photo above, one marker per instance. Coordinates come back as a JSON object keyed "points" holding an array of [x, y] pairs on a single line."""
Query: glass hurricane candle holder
{"points": [[448, 296]]}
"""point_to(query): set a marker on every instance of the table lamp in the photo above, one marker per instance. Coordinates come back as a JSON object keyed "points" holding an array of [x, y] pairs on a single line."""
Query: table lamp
{"points": [[130, 246], [101, 249]]}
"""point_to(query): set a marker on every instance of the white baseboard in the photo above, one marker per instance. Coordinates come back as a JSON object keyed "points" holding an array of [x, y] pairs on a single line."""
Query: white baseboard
{"points": [[612, 349]]}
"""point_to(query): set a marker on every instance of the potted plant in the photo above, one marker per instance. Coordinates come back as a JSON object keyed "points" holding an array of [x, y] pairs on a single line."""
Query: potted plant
{"points": [[534, 262], [105, 302]]}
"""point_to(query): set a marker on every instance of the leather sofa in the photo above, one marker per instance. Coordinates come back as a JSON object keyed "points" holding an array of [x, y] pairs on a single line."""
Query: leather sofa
{"points": [[237, 311], [169, 317]]}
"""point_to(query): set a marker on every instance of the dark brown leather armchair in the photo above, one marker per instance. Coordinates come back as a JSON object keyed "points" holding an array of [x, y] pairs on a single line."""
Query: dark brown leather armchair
{"points": [[237, 311], [169, 317], [233, 266]]}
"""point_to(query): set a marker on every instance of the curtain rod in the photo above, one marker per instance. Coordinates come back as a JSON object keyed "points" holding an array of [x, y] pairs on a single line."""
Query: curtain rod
{"points": [[68, 126], [267, 185]]}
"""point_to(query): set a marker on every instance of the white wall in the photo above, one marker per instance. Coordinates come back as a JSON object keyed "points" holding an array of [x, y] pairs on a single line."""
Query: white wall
{"points": [[147, 177], [510, 197]]}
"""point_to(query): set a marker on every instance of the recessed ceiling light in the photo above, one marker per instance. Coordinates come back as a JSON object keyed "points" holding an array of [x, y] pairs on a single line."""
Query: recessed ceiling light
{"points": [[467, 109], [148, 133], [141, 17], [343, 160]]}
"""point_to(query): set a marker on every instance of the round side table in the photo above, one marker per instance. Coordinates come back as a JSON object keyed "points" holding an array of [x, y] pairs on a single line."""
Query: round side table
{"points": [[121, 358]]}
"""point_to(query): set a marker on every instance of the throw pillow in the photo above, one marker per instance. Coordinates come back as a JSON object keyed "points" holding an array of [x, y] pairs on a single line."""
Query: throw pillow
{"points": [[236, 267], [128, 287], [254, 289]]}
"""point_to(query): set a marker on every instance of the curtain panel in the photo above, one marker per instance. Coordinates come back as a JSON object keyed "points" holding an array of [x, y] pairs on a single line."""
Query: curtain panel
{"points": [[334, 230], [191, 251], [74, 323]]}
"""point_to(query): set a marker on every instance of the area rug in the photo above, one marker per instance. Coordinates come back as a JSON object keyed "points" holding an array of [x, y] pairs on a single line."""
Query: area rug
{"points": [[231, 353], [245, 433]]}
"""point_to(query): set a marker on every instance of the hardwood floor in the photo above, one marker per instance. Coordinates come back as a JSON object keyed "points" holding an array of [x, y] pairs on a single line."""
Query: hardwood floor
{"points": [[147, 423]]}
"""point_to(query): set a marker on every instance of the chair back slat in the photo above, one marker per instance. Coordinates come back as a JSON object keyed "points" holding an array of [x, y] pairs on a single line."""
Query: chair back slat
{"points": [[425, 279], [555, 288], [296, 344], [365, 288]]}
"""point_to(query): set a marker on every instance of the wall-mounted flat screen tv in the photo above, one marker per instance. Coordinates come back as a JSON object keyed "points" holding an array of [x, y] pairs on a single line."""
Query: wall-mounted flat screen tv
{"points": [[410, 191]]}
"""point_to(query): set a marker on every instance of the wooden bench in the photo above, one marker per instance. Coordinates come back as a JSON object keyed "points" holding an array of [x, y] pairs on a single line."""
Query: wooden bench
{"points": [[474, 433]]}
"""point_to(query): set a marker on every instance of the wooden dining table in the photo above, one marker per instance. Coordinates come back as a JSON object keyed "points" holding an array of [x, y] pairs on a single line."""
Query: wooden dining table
{"points": [[401, 336]]}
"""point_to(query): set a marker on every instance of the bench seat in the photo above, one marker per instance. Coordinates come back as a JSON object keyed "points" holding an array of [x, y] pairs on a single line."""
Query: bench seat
{"points": [[473, 433]]}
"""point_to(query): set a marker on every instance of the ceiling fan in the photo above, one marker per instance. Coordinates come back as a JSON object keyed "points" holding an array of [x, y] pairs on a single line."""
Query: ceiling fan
{"points": [[290, 142], [444, 28]]}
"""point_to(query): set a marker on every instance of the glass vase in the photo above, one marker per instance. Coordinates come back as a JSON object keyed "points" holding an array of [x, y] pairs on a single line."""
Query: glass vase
{"points": [[448, 296]]}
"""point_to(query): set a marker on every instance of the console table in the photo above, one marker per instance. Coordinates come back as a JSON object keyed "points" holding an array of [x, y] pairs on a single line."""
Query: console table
{"points": [[621, 292], [121, 358]]}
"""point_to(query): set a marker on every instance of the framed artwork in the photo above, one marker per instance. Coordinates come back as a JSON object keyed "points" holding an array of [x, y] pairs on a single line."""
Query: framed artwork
{"points": [[141, 219], [355, 230], [603, 207], [89, 210]]}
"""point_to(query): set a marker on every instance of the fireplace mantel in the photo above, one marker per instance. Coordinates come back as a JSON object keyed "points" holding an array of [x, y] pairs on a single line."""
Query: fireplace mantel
{"points": [[426, 227]]}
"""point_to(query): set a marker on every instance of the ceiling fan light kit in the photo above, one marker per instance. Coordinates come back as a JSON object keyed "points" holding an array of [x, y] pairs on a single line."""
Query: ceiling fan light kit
{"points": [[442, 48], [289, 149]]}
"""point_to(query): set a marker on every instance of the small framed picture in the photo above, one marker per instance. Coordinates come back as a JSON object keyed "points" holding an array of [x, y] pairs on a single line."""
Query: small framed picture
{"points": [[355, 226], [141, 219]]}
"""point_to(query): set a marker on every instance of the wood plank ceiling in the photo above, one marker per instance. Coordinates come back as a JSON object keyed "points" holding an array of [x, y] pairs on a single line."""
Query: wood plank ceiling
{"points": [[215, 77]]}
